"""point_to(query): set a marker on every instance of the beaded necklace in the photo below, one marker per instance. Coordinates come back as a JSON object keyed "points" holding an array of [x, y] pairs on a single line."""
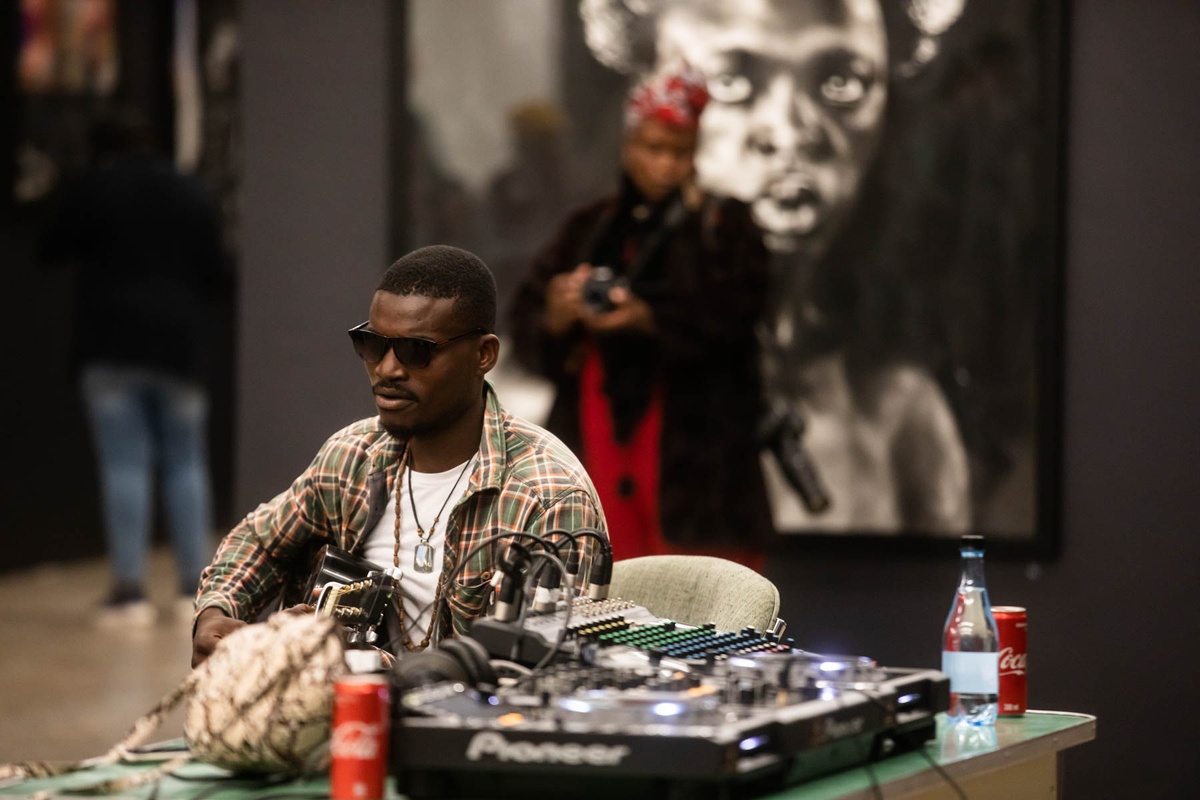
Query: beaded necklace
{"points": [[423, 555]]}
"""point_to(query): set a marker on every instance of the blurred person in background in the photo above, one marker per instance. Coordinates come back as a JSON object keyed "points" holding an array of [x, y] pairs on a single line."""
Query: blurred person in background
{"points": [[146, 244], [641, 311]]}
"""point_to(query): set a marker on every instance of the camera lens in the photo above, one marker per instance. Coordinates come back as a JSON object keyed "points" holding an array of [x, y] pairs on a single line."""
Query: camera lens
{"points": [[595, 291]]}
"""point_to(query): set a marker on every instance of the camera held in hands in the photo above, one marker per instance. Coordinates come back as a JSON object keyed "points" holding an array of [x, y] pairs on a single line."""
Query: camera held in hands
{"points": [[595, 290]]}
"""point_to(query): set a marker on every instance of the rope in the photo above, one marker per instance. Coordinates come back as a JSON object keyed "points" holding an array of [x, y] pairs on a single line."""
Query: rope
{"points": [[260, 703]]}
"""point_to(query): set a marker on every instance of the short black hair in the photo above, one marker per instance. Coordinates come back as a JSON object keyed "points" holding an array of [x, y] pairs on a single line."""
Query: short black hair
{"points": [[444, 271]]}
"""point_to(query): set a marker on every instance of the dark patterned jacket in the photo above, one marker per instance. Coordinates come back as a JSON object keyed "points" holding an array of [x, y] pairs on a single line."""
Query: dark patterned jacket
{"points": [[706, 285]]}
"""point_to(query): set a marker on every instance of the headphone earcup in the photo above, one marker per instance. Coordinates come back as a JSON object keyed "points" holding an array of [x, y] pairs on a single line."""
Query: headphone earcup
{"points": [[428, 667], [475, 660]]}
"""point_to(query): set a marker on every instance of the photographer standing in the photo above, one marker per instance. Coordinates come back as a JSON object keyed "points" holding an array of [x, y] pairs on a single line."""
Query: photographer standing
{"points": [[641, 310]]}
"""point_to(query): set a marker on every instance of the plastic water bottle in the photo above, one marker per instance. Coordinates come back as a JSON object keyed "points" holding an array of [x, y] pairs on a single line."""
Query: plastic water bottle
{"points": [[970, 643]]}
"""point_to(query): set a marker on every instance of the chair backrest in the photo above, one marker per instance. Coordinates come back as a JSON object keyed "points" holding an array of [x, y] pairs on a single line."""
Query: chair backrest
{"points": [[695, 590]]}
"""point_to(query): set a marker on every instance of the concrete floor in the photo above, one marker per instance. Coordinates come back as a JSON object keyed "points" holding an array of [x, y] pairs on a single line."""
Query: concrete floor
{"points": [[69, 690]]}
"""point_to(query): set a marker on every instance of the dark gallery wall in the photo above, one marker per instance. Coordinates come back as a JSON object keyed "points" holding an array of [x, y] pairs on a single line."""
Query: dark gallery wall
{"points": [[315, 231]]}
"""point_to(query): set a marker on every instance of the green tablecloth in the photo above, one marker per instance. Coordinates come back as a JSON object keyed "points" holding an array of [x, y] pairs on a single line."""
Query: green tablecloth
{"points": [[957, 752]]}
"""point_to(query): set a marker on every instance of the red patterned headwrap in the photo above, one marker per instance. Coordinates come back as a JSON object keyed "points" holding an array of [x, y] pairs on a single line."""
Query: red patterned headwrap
{"points": [[674, 98]]}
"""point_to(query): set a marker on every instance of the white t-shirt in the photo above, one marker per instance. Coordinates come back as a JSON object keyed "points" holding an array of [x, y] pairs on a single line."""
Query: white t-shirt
{"points": [[430, 492]]}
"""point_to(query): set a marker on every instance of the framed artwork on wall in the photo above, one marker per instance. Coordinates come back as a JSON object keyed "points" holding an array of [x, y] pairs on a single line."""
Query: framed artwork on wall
{"points": [[903, 162]]}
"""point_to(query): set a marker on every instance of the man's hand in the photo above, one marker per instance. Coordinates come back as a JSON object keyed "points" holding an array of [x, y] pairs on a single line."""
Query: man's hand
{"points": [[211, 627], [564, 299], [630, 313], [300, 608]]}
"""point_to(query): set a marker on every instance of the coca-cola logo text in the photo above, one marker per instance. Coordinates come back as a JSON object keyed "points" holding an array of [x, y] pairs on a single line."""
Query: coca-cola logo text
{"points": [[356, 740], [1011, 663]]}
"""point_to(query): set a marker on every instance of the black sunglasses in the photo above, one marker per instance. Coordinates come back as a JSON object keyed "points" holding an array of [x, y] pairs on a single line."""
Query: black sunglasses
{"points": [[410, 351]]}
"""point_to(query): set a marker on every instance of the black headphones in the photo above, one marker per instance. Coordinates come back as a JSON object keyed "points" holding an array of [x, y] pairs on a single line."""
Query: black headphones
{"points": [[464, 660]]}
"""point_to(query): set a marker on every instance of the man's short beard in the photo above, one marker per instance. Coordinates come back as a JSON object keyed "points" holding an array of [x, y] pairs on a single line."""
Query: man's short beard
{"points": [[406, 433], [430, 426]]}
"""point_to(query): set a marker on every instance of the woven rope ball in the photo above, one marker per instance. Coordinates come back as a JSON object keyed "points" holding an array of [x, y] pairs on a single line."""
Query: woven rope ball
{"points": [[263, 699]]}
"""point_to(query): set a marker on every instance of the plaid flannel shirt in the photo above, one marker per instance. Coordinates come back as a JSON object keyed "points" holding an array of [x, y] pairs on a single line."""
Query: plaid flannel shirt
{"points": [[526, 480]]}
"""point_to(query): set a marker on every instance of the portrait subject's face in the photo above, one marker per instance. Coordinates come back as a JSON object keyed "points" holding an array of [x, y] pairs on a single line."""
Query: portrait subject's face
{"points": [[798, 92]]}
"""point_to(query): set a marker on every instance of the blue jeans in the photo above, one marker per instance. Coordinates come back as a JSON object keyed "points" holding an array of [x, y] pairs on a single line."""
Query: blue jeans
{"points": [[146, 424]]}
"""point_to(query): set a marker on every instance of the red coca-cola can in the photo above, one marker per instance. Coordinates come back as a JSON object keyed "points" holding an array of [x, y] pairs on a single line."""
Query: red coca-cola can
{"points": [[1011, 623], [358, 746]]}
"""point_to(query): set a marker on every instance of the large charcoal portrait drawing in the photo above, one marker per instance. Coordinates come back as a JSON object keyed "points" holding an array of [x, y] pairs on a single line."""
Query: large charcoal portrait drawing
{"points": [[901, 159]]}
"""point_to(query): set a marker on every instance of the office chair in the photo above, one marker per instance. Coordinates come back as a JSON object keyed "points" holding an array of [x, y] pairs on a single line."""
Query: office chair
{"points": [[695, 590]]}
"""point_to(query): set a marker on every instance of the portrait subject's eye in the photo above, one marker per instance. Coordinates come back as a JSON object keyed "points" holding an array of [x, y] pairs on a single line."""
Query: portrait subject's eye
{"points": [[847, 81], [729, 88], [843, 90]]}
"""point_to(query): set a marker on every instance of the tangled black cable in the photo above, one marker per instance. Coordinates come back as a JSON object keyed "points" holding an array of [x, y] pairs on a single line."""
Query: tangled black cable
{"points": [[941, 772]]}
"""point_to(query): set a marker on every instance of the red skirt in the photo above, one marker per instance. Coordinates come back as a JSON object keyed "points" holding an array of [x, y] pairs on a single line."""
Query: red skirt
{"points": [[626, 474]]}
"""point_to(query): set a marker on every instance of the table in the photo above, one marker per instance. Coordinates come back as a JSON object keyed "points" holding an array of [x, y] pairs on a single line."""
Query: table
{"points": [[1020, 757]]}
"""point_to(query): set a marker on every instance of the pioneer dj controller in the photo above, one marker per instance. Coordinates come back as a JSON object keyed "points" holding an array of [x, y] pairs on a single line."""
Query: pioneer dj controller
{"points": [[630, 705]]}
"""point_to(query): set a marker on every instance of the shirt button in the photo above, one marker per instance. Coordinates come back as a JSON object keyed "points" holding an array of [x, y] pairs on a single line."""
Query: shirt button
{"points": [[626, 486]]}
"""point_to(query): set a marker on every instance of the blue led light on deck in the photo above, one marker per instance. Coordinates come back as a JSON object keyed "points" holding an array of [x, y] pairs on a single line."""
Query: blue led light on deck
{"points": [[753, 743], [667, 709], [575, 704]]}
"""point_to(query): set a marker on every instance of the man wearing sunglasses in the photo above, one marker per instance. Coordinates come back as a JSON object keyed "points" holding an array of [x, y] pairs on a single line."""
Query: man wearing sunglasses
{"points": [[439, 470]]}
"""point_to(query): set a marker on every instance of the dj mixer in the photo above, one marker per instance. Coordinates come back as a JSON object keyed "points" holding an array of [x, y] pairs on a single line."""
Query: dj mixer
{"points": [[615, 702]]}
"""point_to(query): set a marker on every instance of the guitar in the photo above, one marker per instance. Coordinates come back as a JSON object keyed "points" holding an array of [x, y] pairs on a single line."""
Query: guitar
{"points": [[355, 591]]}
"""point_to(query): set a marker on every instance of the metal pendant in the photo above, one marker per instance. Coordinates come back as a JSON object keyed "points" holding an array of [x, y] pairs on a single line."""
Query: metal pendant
{"points": [[423, 558]]}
